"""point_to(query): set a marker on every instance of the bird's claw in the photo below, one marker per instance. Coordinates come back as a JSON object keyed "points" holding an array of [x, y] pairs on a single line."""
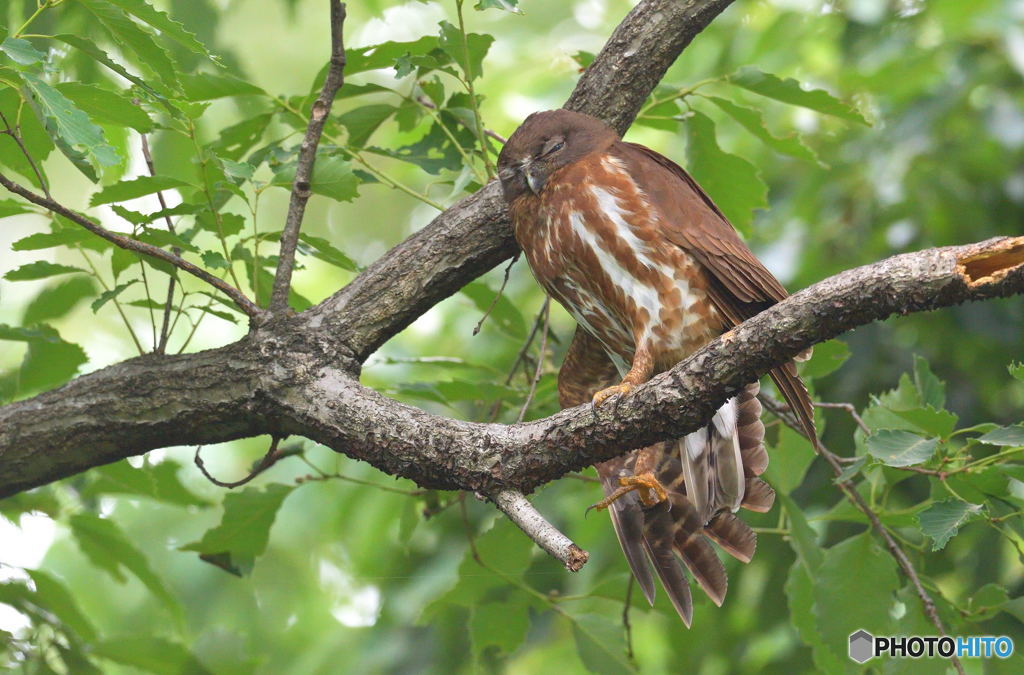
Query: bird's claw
{"points": [[615, 390], [649, 489]]}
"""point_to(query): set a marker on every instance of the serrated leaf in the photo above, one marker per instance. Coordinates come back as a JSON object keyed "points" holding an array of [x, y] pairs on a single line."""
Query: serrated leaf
{"points": [[789, 91], [132, 37], [245, 527], [134, 188], [900, 448], [931, 388], [21, 51], [70, 124], [166, 25], [385, 54], [43, 240], [106, 106], [40, 269], [208, 87], [942, 520], [363, 121], [151, 654], [929, 420], [502, 625], [322, 249], [9, 207], [57, 301], [854, 589], [159, 482], [732, 182], [506, 5], [466, 50], [601, 644], [107, 547], [91, 50], [215, 259], [109, 294], [1012, 436], [332, 177], [790, 460], [55, 597], [799, 589], [753, 121]]}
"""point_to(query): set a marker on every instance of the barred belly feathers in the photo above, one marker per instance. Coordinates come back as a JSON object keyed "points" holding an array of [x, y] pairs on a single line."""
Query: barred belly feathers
{"points": [[651, 271]]}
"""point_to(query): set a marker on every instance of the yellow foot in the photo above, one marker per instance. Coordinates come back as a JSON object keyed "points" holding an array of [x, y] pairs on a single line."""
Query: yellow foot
{"points": [[647, 486], [605, 394]]}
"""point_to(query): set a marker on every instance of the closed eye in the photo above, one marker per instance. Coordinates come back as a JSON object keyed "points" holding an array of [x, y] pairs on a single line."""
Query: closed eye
{"points": [[554, 148]]}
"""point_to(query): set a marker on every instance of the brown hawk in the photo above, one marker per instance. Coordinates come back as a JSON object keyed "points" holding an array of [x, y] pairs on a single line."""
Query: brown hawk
{"points": [[651, 270]]}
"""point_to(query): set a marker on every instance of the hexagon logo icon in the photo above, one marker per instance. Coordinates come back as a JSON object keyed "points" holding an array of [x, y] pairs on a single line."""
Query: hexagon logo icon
{"points": [[862, 646]]}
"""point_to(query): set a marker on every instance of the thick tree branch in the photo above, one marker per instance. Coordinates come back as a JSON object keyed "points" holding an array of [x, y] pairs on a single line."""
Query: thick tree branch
{"points": [[121, 241], [286, 378], [307, 158], [475, 234]]}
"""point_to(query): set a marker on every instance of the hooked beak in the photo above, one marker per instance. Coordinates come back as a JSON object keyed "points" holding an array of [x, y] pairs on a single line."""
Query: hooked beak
{"points": [[533, 180]]}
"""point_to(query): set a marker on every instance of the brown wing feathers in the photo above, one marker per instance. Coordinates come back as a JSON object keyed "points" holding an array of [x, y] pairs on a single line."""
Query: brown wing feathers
{"points": [[739, 285]]}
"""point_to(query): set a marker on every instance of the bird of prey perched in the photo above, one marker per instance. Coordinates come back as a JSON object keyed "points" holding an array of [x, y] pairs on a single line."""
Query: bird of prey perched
{"points": [[651, 270]]}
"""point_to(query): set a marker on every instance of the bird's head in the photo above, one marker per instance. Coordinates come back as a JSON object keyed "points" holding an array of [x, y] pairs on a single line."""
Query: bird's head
{"points": [[545, 142]]}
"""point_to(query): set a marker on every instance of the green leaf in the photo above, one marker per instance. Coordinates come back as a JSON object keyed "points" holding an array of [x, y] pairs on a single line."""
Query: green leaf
{"points": [[67, 237], [322, 249], [799, 589], [1005, 436], [166, 25], [40, 269], [790, 91], [215, 259], [854, 588], [107, 106], [9, 207], [131, 37], [21, 51], [132, 189], [827, 358], [151, 654], [49, 361], [362, 122], [332, 177], [66, 122], [900, 448], [803, 539], [159, 482], [601, 644], [505, 314], [752, 120], [929, 420], [55, 596], [931, 388], [384, 55], [789, 461], [507, 5], [732, 182], [91, 50], [851, 470], [109, 294], [207, 87], [245, 527], [107, 547], [988, 601], [57, 301], [1016, 370], [501, 624], [466, 50], [942, 520]]}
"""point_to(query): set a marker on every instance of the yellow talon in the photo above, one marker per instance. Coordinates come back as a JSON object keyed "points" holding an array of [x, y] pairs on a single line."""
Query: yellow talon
{"points": [[649, 488], [605, 394]]}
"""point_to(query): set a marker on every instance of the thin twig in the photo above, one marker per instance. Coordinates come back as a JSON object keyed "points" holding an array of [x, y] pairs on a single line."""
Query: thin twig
{"points": [[540, 361], [161, 345], [127, 243], [783, 412], [427, 103], [497, 296], [521, 512], [848, 407], [13, 133], [269, 460], [625, 618], [301, 188]]}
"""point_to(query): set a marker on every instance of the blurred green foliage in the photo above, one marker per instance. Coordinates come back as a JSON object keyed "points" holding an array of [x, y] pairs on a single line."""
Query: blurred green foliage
{"points": [[834, 133]]}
